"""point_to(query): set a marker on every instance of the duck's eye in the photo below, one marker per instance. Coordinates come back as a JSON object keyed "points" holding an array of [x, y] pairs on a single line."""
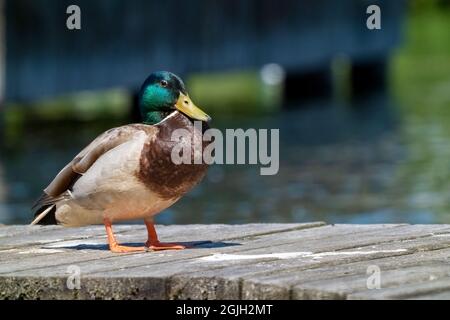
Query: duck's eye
{"points": [[163, 83]]}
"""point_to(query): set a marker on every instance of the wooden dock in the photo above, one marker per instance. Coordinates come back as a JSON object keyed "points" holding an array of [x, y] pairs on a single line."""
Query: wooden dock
{"points": [[252, 261]]}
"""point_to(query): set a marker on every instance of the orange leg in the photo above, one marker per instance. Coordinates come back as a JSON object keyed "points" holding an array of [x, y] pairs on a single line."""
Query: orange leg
{"points": [[113, 245], [153, 242]]}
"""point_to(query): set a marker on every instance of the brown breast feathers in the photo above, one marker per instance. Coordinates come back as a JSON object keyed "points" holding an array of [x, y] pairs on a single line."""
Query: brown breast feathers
{"points": [[157, 170]]}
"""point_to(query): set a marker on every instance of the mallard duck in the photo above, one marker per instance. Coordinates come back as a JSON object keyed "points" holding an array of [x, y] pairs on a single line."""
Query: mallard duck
{"points": [[127, 172]]}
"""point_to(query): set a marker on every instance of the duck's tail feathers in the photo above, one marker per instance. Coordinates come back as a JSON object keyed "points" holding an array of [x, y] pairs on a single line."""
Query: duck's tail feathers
{"points": [[46, 216], [45, 208], [44, 200]]}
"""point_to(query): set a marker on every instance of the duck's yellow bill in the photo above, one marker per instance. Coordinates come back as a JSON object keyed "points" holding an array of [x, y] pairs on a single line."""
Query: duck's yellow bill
{"points": [[186, 106]]}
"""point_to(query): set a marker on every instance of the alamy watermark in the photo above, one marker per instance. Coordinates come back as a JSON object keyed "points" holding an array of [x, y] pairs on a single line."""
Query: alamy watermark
{"points": [[262, 146], [374, 279], [74, 279], [373, 22], [73, 21]]}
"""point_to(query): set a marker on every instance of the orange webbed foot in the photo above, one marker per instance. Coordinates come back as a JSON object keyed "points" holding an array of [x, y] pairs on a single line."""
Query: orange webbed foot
{"points": [[113, 245], [158, 246], [116, 248], [153, 243]]}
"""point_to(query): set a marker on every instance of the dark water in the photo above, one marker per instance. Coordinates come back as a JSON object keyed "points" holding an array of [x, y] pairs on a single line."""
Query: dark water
{"points": [[364, 163]]}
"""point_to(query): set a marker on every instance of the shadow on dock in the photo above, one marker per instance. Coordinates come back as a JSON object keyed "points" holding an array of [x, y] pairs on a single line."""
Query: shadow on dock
{"points": [[202, 244]]}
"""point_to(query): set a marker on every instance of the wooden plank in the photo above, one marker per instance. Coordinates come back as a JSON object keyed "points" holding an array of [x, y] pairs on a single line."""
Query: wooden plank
{"points": [[57, 270], [276, 276], [197, 281], [260, 243], [261, 238], [445, 295], [11, 231], [37, 235], [259, 261], [80, 250], [353, 283], [426, 287]]}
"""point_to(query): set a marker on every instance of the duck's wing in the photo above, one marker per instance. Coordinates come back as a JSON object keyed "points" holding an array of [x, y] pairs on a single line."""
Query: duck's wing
{"points": [[58, 189]]}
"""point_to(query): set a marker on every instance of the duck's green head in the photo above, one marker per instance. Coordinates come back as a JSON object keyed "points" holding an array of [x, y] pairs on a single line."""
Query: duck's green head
{"points": [[161, 94]]}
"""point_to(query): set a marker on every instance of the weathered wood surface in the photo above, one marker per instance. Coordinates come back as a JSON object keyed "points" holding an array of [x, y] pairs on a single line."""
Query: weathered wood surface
{"points": [[253, 261]]}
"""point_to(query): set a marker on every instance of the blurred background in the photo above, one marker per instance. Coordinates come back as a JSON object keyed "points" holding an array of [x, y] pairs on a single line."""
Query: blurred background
{"points": [[364, 115]]}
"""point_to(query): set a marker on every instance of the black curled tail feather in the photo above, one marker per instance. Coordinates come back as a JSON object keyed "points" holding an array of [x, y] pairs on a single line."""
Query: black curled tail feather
{"points": [[49, 218], [45, 209]]}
